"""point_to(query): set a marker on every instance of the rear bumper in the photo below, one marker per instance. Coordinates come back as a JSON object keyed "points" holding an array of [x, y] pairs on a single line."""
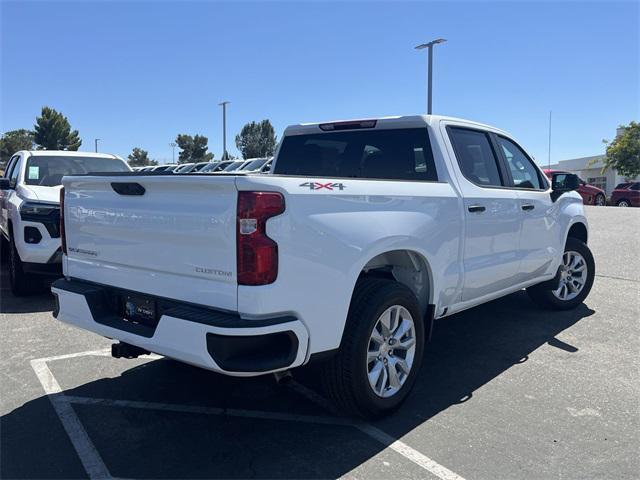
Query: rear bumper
{"points": [[219, 341]]}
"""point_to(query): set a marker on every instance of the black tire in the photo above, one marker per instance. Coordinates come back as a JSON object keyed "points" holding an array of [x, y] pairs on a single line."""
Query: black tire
{"points": [[344, 376], [19, 281], [543, 295], [623, 202], [600, 200]]}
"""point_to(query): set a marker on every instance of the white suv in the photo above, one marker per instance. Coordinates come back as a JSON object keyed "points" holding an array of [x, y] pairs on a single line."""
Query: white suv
{"points": [[30, 208]]}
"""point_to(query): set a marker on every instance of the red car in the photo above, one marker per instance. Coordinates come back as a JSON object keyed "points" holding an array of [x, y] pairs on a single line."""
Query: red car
{"points": [[590, 195], [626, 195]]}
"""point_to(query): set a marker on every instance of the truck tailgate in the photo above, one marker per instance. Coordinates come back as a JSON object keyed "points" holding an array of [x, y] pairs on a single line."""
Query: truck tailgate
{"points": [[175, 240]]}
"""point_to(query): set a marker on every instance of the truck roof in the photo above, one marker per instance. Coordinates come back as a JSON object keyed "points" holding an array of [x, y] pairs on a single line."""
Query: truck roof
{"points": [[399, 121], [67, 153]]}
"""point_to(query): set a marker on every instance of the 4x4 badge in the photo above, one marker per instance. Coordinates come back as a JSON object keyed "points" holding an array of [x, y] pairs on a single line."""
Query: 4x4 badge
{"points": [[320, 186]]}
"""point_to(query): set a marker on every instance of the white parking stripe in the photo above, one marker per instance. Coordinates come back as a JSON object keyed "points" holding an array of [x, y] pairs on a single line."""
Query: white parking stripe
{"points": [[96, 469], [396, 445], [89, 456]]}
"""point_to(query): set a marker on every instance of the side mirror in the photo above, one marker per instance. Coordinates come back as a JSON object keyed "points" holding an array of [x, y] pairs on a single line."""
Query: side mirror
{"points": [[5, 184], [562, 183]]}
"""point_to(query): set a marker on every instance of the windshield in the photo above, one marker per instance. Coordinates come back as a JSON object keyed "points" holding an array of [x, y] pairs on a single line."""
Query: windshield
{"points": [[48, 171]]}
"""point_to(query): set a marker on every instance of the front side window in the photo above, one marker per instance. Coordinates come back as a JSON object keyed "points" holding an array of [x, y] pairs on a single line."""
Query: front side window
{"points": [[392, 154], [523, 171], [15, 171], [48, 171], [10, 166], [635, 186], [475, 156]]}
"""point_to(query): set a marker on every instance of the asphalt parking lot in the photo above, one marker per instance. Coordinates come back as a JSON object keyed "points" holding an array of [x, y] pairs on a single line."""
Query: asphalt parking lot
{"points": [[507, 391]]}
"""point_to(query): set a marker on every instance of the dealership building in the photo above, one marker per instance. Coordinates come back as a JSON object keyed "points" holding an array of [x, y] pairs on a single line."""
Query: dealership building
{"points": [[589, 169]]}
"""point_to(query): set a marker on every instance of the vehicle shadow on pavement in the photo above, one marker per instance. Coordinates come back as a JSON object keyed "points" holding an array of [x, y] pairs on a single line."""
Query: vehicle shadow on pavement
{"points": [[467, 351], [40, 301]]}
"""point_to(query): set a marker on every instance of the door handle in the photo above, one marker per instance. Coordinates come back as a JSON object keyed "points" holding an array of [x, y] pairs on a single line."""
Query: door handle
{"points": [[476, 208], [528, 206]]}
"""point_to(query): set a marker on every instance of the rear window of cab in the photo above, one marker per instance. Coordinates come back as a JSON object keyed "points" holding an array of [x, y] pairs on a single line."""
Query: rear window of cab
{"points": [[393, 154]]}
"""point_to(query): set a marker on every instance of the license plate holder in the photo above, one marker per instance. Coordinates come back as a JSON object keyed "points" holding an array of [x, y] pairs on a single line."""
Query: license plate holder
{"points": [[140, 309]]}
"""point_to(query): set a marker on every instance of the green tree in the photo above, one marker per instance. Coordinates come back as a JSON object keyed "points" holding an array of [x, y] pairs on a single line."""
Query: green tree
{"points": [[53, 132], [193, 149], [257, 139], [623, 153], [140, 158], [13, 141]]}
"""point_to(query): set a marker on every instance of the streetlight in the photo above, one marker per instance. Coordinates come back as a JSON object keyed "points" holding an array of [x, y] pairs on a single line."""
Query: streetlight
{"points": [[173, 147], [224, 128], [95, 142], [429, 84]]}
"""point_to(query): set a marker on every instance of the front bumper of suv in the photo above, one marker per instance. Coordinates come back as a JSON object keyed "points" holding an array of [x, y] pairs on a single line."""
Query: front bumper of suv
{"points": [[219, 341]]}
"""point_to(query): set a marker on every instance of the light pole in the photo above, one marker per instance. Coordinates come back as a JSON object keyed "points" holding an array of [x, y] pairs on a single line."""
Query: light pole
{"points": [[430, 68], [95, 142], [549, 157], [173, 146], [224, 128]]}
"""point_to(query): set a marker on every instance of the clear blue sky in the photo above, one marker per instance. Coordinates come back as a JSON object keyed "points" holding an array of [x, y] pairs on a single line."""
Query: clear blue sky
{"points": [[138, 73]]}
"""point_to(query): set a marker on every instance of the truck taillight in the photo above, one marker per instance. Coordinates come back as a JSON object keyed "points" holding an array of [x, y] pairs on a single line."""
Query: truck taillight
{"points": [[257, 254], [63, 237]]}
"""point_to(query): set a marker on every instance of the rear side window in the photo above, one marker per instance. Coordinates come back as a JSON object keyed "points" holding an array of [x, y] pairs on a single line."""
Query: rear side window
{"points": [[394, 154], [475, 156]]}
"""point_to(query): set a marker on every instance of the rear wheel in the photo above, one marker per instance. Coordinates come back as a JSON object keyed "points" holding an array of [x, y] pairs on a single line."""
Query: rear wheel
{"points": [[624, 203], [381, 350], [19, 281], [600, 201], [573, 281]]}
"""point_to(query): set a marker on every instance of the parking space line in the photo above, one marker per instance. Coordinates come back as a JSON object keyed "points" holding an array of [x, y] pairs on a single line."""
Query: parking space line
{"points": [[84, 447], [96, 469], [387, 440]]}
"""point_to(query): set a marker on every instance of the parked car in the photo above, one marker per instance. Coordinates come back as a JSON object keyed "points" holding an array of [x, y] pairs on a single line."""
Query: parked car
{"points": [[199, 166], [29, 201], [184, 168], [163, 168], [626, 195], [266, 168], [234, 166], [216, 166], [254, 165], [590, 194], [367, 232]]}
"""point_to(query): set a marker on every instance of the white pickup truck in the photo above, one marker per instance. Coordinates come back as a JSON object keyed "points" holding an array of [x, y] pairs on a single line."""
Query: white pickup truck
{"points": [[30, 213], [366, 232]]}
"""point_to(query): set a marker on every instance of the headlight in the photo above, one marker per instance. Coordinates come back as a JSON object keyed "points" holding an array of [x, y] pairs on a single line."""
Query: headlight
{"points": [[34, 209]]}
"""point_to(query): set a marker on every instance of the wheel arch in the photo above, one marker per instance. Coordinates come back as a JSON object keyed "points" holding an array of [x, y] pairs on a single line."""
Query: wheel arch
{"points": [[408, 267], [578, 230]]}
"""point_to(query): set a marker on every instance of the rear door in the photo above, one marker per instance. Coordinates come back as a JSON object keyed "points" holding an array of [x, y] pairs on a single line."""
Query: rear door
{"points": [[492, 214], [170, 236]]}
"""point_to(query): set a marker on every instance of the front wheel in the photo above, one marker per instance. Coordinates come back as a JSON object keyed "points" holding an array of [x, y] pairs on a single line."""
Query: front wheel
{"points": [[623, 203], [600, 201], [381, 350], [573, 281], [19, 281]]}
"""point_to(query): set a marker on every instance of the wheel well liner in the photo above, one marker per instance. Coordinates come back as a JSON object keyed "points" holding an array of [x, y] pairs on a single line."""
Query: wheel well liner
{"points": [[409, 268], [578, 230]]}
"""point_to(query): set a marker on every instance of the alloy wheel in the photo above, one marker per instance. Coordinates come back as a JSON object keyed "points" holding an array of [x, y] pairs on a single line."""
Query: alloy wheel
{"points": [[391, 351], [573, 276]]}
